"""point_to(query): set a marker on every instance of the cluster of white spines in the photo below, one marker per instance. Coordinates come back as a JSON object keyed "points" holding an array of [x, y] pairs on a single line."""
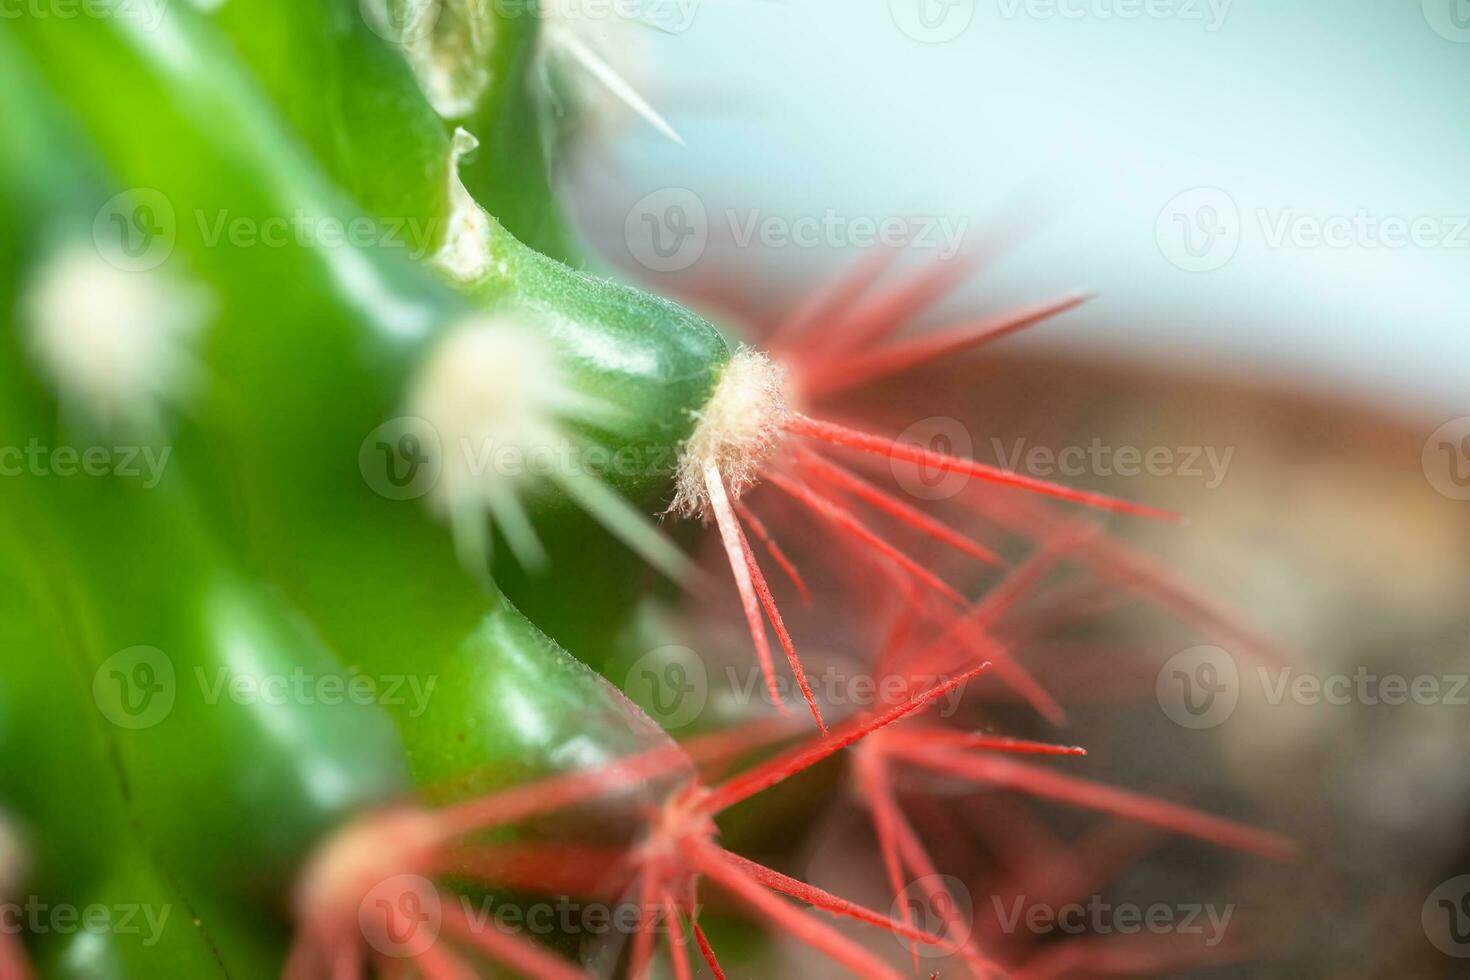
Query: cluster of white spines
{"points": [[502, 413]]}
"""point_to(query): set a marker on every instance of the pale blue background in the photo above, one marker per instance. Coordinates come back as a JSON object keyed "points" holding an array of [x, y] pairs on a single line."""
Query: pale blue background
{"points": [[1320, 106]]}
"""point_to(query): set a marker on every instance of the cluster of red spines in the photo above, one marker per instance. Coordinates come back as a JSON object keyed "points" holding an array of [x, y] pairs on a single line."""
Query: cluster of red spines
{"points": [[837, 341]]}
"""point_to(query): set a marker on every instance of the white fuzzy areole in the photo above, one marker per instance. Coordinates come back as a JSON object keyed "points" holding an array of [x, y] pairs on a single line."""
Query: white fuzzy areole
{"points": [[490, 384], [736, 431], [115, 343], [496, 400]]}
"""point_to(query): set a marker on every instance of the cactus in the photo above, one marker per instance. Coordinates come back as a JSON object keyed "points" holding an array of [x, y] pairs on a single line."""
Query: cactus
{"points": [[193, 715]]}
